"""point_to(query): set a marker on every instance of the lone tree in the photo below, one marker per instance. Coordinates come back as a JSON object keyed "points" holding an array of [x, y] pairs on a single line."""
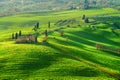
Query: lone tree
{"points": [[49, 25], [86, 20], [37, 25], [20, 33], [83, 17], [46, 33], [16, 35], [13, 37]]}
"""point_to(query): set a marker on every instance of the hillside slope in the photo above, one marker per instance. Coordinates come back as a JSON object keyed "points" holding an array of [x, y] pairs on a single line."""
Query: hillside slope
{"points": [[71, 56]]}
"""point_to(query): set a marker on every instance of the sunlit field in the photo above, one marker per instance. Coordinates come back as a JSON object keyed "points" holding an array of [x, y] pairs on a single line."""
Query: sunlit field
{"points": [[73, 56]]}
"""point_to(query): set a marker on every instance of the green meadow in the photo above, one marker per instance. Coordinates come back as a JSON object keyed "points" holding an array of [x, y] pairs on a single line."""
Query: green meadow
{"points": [[72, 56]]}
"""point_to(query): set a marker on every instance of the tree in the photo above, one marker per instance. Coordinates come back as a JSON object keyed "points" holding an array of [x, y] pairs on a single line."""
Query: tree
{"points": [[49, 25], [16, 35], [13, 37], [86, 20], [83, 17], [46, 33], [37, 25], [94, 2], [20, 33], [86, 4]]}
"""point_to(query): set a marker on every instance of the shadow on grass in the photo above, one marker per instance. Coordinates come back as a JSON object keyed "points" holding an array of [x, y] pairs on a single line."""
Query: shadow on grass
{"points": [[85, 72], [25, 67], [80, 40], [86, 56], [39, 62], [68, 43], [94, 37]]}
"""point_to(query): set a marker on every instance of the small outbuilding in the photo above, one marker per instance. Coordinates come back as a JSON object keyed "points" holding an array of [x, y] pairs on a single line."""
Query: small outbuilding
{"points": [[27, 39]]}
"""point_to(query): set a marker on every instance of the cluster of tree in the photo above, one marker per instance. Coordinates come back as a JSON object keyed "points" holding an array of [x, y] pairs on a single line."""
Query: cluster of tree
{"points": [[36, 27], [16, 35], [86, 4], [99, 3], [45, 32], [86, 19], [28, 38], [16, 6]]}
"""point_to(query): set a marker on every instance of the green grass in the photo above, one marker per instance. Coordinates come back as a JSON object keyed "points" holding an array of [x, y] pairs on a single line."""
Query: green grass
{"points": [[60, 59]]}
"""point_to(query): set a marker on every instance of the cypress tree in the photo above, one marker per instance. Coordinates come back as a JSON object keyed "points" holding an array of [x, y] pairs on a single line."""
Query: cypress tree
{"points": [[13, 37], [48, 24], [20, 33], [83, 17], [16, 35], [37, 25], [86, 20], [46, 33]]}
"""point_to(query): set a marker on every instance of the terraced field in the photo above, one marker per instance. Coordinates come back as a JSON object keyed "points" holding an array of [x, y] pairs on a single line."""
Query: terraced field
{"points": [[72, 56]]}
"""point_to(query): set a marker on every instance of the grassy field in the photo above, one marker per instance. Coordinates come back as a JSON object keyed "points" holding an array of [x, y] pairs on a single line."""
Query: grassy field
{"points": [[70, 57]]}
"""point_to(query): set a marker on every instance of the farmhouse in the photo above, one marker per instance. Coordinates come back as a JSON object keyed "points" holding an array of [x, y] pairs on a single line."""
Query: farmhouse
{"points": [[26, 39]]}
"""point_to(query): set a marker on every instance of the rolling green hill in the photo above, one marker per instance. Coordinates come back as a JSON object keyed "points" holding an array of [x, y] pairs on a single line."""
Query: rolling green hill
{"points": [[68, 57]]}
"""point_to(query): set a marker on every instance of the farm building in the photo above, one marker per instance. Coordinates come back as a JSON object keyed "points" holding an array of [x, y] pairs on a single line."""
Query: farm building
{"points": [[26, 39]]}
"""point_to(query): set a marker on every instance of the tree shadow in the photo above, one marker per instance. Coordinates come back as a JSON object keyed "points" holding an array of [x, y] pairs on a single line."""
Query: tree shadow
{"points": [[71, 71], [26, 67], [40, 62], [79, 39], [68, 42], [94, 37]]}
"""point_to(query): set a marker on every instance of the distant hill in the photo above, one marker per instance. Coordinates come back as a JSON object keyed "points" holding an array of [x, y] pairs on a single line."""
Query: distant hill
{"points": [[14, 6]]}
